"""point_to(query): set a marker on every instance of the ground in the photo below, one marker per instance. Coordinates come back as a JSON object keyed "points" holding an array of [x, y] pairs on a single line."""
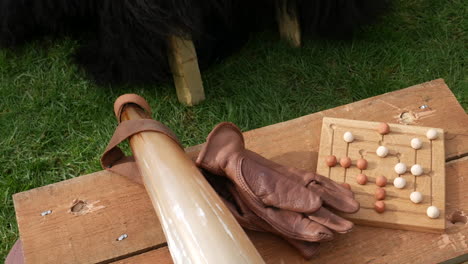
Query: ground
{"points": [[54, 123]]}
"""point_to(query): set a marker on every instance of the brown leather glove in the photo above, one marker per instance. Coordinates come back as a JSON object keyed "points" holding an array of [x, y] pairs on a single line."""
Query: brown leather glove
{"points": [[288, 199], [249, 219]]}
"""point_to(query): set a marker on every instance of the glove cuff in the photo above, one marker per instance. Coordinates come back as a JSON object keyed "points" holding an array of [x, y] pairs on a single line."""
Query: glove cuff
{"points": [[223, 142]]}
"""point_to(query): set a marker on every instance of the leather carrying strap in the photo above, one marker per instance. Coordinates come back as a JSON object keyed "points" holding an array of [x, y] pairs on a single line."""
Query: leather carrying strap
{"points": [[114, 158], [130, 99]]}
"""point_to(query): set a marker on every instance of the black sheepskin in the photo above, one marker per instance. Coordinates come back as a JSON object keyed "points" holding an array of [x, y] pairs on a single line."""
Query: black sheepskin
{"points": [[338, 18], [124, 41]]}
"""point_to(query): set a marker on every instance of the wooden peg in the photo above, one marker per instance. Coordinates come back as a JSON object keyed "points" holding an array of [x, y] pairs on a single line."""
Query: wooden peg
{"points": [[288, 22], [185, 71]]}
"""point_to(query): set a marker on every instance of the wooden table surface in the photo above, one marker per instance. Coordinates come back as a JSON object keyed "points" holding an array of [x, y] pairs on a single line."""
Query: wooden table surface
{"points": [[89, 213]]}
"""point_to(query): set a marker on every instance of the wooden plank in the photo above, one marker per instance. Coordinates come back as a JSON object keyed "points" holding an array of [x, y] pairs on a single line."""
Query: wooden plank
{"points": [[400, 212], [381, 245], [295, 142], [288, 22], [186, 73], [86, 238], [268, 245], [112, 206]]}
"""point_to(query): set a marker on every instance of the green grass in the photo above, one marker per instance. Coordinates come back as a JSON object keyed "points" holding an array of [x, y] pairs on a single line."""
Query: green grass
{"points": [[54, 123]]}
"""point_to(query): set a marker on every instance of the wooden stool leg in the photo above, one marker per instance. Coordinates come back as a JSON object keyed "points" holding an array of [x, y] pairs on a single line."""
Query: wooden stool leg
{"points": [[184, 65], [288, 22]]}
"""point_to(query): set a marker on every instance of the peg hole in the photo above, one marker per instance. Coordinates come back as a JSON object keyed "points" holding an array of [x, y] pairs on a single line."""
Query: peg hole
{"points": [[79, 207], [458, 218]]}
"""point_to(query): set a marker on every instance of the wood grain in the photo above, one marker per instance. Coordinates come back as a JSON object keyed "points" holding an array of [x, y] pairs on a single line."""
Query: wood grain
{"points": [[185, 71], [273, 249], [400, 212], [90, 238], [114, 206], [160, 256]]}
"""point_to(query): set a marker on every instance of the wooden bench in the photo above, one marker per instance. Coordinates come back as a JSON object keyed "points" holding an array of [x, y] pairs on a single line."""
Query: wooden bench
{"points": [[113, 207]]}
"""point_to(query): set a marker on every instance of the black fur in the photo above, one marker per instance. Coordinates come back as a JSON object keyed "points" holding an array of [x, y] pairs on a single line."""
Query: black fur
{"points": [[338, 18], [124, 41]]}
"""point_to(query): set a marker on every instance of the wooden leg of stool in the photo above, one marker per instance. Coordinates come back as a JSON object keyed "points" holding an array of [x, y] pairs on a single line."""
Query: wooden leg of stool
{"points": [[288, 22], [184, 65]]}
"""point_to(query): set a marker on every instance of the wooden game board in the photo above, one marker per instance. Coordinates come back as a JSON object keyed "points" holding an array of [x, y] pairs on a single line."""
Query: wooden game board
{"points": [[400, 211]]}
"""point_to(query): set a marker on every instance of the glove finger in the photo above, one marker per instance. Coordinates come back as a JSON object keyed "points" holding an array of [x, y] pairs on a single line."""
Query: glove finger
{"points": [[331, 184], [334, 222], [301, 176], [295, 225], [245, 220], [273, 189], [248, 219], [335, 198], [330, 192], [307, 177]]}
